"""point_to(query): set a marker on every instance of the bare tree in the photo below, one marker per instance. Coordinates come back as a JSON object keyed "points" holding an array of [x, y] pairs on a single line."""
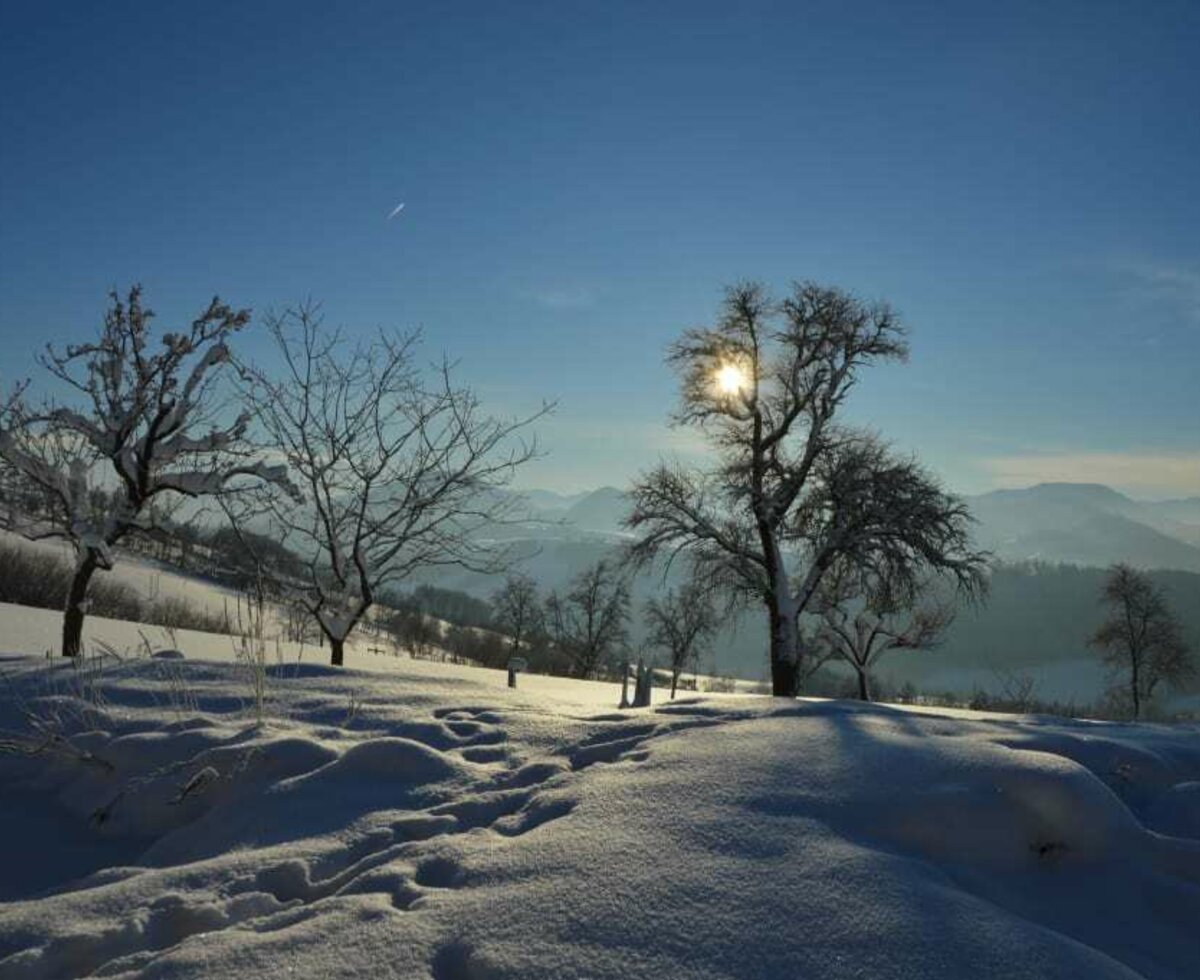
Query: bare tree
{"points": [[1141, 636], [862, 618], [146, 421], [682, 623], [517, 610], [791, 489], [589, 622], [400, 472]]}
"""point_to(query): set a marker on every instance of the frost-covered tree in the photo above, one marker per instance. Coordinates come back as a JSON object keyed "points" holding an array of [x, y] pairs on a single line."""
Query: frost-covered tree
{"points": [[861, 618], [399, 468], [517, 610], [791, 489], [141, 419], [589, 622], [682, 623], [1141, 637]]}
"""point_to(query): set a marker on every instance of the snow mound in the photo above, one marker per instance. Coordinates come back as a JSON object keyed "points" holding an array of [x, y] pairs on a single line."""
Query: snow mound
{"points": [[424, 824], [395, 759]]}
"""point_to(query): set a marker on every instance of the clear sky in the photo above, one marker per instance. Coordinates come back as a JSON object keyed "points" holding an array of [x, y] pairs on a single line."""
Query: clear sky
{"points": [[1020, 179]]}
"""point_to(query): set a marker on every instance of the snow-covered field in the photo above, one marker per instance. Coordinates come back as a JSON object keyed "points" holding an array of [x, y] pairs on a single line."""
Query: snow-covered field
{"points": [[149, 579], [416, 819], [422, 820]]}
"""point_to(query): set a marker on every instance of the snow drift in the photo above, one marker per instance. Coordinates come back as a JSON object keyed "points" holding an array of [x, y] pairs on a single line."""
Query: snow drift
{"points": [[428, 822]]}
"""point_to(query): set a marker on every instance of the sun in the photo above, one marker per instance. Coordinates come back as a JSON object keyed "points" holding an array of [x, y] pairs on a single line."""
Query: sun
{"points": [[731, 379]]}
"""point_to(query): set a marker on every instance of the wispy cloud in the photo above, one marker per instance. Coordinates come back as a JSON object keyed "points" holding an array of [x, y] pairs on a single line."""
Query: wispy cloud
{"points": [[562, 297], [584, 453], [1153, 474], [1173, 283]]}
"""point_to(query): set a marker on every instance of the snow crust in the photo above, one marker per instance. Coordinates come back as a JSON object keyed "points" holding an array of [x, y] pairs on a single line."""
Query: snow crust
{"points": [[425, 821]]}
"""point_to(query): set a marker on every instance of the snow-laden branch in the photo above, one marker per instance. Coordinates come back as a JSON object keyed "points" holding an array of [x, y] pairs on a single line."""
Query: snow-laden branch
{"points": [[146, 420]]}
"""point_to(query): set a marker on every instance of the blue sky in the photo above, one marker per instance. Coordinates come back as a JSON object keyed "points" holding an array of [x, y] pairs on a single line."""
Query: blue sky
{"points": [[1020, 180]]}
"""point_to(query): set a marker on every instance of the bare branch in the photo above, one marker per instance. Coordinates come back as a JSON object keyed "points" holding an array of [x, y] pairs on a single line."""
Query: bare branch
{"points": [[398, 471], [792, 487]]}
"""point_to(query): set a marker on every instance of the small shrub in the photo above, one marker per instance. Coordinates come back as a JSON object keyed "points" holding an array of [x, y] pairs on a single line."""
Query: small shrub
{"points": [[174, 612], [721, 684], [31, 577]]}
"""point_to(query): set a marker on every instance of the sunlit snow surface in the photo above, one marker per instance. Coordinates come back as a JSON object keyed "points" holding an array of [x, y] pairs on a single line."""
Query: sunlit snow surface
{"points": [[424, 821]]}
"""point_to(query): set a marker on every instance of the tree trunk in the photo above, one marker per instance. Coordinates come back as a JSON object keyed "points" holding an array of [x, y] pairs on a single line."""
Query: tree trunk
{"points": [[585, 664], [674, 682], [864, 684], [1134, 691], [72, 630], [785, 653], [337, 647], [781, 613], [785, 678]]}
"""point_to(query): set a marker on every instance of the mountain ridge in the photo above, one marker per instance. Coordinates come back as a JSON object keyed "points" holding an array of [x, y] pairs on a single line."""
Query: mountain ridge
{"points": [[1069, 523]]}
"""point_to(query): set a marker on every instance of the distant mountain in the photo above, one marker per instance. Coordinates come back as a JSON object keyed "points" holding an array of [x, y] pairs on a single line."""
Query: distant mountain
{"points": [[1037, 616], [547, 501], [600, 511], [1186, 510], [1088, 524], [1179, 518], [1073, 523]]}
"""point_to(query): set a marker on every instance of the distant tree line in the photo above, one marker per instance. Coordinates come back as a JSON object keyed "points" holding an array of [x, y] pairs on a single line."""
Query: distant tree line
{"points": [[1035, 610], [581, 630]]}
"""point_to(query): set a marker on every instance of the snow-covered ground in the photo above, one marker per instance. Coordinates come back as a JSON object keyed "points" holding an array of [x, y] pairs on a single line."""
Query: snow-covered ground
{"points": [[417, 819], [422, 820], [149, 579]]}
